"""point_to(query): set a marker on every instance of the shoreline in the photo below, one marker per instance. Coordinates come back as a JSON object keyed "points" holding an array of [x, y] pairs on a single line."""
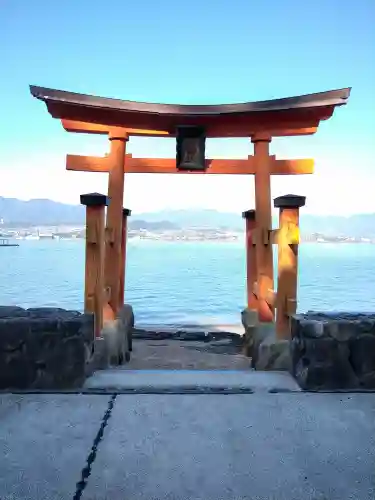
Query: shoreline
{"points": [[204, 332], [191, 327], [229, 240]]}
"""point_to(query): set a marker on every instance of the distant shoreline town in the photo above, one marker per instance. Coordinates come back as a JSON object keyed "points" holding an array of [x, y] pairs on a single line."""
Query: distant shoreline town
{"points": [[191, 234], [47, 219]]}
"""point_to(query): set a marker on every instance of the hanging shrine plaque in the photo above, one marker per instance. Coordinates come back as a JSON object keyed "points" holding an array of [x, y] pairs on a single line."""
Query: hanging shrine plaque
{"points": [[190, 144]]}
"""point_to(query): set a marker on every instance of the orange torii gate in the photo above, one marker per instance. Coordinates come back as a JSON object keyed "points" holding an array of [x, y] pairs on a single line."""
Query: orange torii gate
{"points": [[191, 125]]}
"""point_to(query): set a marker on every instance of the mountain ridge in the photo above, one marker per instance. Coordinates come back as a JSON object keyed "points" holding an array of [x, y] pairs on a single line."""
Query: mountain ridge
{"points": [[39, 212]]}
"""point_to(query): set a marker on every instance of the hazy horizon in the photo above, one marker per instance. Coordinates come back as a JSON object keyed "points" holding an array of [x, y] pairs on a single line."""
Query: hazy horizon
{"points": [[195, 209]]}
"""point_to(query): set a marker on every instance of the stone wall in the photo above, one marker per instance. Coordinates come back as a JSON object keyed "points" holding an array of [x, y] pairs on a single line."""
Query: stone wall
{"points": [[327, 351], [333, 351], [44, 348]]}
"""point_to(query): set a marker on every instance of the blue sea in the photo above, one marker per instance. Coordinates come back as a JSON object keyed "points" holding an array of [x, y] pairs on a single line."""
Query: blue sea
{"points": [[179, 283]]}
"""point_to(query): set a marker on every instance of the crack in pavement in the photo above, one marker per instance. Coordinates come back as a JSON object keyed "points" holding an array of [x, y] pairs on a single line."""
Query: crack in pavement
{"points": [[86, 471]]}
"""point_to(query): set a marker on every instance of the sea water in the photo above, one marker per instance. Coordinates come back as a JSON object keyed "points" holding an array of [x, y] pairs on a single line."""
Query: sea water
{"points": [[183, 283]]}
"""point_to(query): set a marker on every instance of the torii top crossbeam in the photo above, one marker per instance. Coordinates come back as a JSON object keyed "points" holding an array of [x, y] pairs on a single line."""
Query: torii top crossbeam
{"points": [[287, 116]]}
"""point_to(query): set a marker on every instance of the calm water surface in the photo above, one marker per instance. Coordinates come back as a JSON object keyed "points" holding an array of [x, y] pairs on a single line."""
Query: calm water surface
{"points": [[178, 283]]}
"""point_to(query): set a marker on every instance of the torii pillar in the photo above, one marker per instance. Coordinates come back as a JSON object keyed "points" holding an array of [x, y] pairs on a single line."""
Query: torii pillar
{"points": [[124, 236], [113, 253], [263, 218], [288, 239], [251, 263]]}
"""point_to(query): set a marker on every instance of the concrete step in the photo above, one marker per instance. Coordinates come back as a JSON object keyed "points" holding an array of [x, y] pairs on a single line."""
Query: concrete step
{"points": [[190, 381]]}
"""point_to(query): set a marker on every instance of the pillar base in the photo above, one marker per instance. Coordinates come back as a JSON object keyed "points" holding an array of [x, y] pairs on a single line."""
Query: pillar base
{"points": [[262, 346]]}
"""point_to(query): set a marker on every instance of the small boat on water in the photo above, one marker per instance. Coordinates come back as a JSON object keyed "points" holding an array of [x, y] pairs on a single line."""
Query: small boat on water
{"points": [[5, 242]]}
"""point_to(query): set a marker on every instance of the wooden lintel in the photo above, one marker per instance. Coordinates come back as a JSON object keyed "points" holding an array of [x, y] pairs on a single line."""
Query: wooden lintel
{"points": [[292, 167], [87, 163], [289, 132], [95, 128], [168, 166], [291, 237], [262, 236], [84, 128]]}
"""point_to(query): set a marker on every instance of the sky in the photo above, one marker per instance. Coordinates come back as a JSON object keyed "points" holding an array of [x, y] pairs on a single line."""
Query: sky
{"points": [[193, 52]]}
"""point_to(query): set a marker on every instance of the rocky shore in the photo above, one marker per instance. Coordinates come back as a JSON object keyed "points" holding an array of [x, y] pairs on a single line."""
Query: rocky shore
{"points": [[209, 348]]}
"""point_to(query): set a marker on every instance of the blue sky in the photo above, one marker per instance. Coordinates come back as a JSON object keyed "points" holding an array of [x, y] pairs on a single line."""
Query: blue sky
{"points": [[189, 52]]}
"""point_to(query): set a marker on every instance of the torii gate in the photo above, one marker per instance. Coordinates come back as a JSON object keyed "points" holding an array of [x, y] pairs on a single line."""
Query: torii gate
{"points": [[191, 125]]}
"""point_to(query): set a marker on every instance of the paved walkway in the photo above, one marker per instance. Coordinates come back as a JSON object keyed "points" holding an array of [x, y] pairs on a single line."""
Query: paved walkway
{"points": [[259, 446]]}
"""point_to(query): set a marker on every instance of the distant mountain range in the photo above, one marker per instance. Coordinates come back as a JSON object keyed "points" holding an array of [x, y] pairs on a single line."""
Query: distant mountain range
{"points": [[41, 212], [358, 225]]}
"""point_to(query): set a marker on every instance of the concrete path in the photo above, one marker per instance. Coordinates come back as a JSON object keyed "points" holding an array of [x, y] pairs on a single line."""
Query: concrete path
{"points": [[44, 443], [182, 381], [261, 446]]}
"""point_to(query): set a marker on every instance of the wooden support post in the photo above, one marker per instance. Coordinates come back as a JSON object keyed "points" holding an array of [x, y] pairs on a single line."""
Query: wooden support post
{"points": [[94, 266], [263, 218], [125, 214], [118, 138], [286, 296], [251, 269]]}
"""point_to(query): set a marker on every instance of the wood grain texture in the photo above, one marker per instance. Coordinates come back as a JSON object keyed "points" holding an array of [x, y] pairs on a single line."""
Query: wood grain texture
{"points": [[168, 166], [286, 296], [97, 128], [114, 221], [263, 217], [251, 265], [292, 236], [94, 265], [123, 260]]}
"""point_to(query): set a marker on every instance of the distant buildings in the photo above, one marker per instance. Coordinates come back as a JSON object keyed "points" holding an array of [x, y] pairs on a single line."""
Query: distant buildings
{"points": [[164, 234]]}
